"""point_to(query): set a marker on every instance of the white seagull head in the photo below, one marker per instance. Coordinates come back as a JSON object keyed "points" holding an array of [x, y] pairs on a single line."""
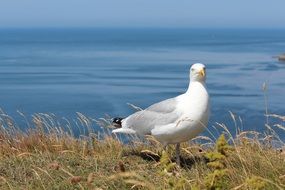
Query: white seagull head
{"points": [[198, 72]]}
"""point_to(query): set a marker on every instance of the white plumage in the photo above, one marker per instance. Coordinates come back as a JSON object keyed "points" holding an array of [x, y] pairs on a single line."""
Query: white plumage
{"points": [[177, 119]]}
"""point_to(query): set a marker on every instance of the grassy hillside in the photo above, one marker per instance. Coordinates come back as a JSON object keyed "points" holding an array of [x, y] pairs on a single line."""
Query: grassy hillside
{"points": [[48, 156]]}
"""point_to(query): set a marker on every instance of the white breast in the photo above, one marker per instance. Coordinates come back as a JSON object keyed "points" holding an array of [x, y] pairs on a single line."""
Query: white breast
{"points": [[193, 108]]}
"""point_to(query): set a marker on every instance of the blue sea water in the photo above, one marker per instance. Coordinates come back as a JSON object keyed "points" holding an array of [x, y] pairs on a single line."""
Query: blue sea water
{"points": [[99, 71]]}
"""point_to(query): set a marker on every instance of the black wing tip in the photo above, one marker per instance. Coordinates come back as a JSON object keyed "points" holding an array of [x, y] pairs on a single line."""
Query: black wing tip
{"points": [[117, 121]]}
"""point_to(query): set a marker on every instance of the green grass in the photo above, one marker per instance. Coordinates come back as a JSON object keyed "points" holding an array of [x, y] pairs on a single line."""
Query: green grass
{"points": [[48, 156]]}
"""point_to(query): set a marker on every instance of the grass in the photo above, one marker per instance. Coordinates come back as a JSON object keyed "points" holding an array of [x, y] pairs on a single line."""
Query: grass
{"points": [[48, 156]]}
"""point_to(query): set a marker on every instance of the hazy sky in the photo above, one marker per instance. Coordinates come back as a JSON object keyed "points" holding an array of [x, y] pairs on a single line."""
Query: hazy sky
{"points": [[141, 13]]}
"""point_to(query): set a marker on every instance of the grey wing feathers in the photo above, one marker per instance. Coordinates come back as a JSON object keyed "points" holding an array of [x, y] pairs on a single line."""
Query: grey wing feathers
{"points": [[165, 106], [144, 121]]}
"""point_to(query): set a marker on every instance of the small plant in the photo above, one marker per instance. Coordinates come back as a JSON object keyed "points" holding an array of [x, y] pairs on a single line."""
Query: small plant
{"points": [[256, 183], [217, 178], [166, 165], [171, 174]]}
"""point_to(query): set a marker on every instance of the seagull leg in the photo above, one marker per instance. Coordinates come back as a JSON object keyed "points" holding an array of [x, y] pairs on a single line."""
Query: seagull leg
{"points": [[177, 150]]}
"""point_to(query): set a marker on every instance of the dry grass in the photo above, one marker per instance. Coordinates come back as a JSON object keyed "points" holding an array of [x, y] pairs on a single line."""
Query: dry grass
{"points": [[48, 156]]}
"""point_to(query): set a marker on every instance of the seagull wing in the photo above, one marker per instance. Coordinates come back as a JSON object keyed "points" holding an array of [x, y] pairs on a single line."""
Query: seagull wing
{"points": [[162, 113], [165, 106]]}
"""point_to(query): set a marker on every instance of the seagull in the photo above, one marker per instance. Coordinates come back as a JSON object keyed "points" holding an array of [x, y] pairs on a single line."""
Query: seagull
{"points": [[173, 120]]}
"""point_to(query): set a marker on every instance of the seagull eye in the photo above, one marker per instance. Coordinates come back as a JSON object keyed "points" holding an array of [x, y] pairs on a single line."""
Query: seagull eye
{"points": [[192, 69]]}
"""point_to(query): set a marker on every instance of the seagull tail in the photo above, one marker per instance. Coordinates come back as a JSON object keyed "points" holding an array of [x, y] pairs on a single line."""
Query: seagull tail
{"points": [[117, 122], [124, 130]]}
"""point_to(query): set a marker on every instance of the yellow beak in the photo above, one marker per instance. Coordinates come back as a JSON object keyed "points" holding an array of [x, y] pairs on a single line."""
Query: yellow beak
{"points": [[202, 72]]}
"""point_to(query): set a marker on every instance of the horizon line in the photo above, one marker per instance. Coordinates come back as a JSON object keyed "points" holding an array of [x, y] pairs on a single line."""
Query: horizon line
{"points": [[143, 27]]}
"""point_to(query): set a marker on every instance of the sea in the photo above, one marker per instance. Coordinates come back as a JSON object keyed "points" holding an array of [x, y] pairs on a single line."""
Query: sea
{"points": [[99, 72]]}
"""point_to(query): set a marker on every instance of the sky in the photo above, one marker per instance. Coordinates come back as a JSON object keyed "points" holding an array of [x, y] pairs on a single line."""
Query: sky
{"points": [[143, 13]]}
